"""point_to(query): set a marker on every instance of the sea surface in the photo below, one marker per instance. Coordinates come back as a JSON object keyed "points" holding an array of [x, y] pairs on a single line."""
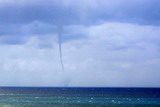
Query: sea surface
{"points": [[79, 97]]}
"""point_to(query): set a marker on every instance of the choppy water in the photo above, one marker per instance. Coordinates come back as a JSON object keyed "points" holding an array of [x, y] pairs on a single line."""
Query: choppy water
{"points": [[79, 97]]}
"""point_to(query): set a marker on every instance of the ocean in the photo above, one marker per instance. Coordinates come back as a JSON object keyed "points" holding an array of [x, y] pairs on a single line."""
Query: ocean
{"points": [[79, 97]]}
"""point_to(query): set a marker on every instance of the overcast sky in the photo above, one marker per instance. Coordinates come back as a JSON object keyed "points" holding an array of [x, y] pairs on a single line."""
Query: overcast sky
{"points": [[105, 43]]}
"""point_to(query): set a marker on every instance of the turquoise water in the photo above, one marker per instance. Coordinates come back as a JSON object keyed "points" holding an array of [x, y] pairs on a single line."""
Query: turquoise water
{"points": [[79, 97]]}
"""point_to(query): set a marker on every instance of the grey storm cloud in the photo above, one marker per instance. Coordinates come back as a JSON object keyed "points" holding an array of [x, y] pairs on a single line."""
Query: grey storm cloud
{"points": [[41, 17], [81, 12]]}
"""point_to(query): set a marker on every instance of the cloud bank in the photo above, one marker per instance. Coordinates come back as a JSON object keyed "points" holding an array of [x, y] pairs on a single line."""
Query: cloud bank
{"points": [[111, 54]]}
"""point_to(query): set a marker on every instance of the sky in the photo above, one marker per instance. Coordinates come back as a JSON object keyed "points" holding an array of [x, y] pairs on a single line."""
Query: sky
{"points": [[105, 43]]}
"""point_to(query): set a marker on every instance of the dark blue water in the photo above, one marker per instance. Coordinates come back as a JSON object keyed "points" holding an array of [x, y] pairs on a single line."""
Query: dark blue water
{"points": [[79, 97]]}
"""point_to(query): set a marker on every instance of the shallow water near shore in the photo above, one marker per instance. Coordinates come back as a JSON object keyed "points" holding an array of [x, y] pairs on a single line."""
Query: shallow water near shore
{"points": [[79, 97]]}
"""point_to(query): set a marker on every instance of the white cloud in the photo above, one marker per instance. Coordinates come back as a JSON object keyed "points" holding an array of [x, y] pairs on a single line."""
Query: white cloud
{"points": [[110, 54]]}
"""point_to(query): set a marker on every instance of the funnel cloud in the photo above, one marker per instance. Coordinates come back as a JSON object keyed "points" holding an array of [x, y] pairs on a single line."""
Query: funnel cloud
{"points": [[60, 29]]}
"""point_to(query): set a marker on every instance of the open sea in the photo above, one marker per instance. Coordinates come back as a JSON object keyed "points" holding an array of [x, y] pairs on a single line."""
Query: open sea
{"points": [[79, 97]]}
